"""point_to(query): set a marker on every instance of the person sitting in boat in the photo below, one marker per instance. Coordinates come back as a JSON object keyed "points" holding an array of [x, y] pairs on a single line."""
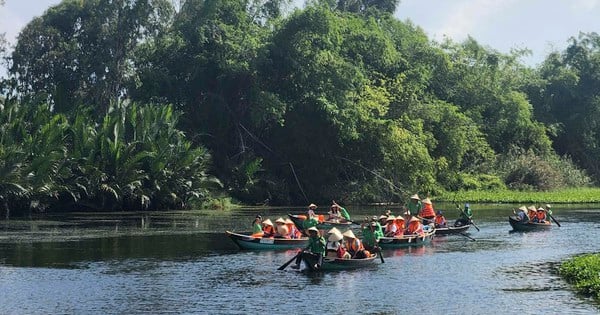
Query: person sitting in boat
{"points": [[406, 214], [401, 225], [371, 233], [465, 216], [415, 227], [522, 215], [312, 219], [257, 229], [293, 230], [391, 229], [281, 230], [268, 228], [382, 221], [335, 247], [338, 213], [354, 246], [440, 220], [311, 210], [540, 215], [531, 213], [414, 205], [548, 211], [316, 247], [427, 213]]}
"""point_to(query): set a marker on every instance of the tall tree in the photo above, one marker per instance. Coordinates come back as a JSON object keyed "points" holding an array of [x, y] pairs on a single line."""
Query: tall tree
{"points": [[486, 85], [80, 51], [568, 99], [206, 65]]}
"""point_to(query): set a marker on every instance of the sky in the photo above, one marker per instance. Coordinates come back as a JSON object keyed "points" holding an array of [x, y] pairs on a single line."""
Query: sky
{"points": [[539, 25]]}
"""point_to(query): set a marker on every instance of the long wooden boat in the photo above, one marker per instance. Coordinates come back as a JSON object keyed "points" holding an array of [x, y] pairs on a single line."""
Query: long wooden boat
{"points": [[528, 226], [265, 243], [452, 229], [407, 240], [324, 225], [331, 264]]}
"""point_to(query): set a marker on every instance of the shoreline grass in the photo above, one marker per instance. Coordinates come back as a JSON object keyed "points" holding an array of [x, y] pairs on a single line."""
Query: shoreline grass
{"points": [[570, 195], [583, 272]]}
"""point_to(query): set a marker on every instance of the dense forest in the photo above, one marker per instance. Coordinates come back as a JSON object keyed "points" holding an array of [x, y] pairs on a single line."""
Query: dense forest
{"points": [[154, 104]]}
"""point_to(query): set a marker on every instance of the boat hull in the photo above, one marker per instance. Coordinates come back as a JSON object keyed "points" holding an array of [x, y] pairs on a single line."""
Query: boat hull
{"points": [[406, 241], [325, 225], [263, 243], [452, 230], [528, 226], [333, 264]]}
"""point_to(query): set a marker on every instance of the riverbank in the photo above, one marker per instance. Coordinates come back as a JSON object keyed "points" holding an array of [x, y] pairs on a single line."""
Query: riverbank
{"points": [[584, 273], [571, 195]]}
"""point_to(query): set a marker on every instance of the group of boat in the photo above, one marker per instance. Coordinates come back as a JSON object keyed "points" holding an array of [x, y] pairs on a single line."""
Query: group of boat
{"points": [[250, 242]]}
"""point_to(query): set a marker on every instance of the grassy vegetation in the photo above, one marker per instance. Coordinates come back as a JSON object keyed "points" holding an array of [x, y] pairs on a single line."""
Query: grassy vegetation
{"points": [[570, 195], [584, 273]]}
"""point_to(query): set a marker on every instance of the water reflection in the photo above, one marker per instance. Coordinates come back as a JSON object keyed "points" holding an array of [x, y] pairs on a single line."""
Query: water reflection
{"points": [[182, 262]]}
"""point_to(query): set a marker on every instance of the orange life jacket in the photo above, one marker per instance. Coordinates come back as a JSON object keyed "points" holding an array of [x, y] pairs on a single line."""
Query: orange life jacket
{"points": [[294, 233], [427, 211], [269, 231], [440, 220], [415, 227], [400, 224], [541, 216], [354, 245]]}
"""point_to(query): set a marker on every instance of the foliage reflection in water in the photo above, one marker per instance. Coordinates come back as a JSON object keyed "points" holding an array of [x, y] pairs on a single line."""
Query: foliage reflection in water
{"points": [[183, 263]]}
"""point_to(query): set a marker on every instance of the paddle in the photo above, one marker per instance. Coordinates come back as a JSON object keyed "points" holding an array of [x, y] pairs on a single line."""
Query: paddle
{"points": [[378, 250], [553, 219], [290, 261], [467, 236]]}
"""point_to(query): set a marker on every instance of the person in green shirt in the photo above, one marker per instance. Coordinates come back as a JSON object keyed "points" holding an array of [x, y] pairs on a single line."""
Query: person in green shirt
{"points": [[371, 233], [311, 221], [316, 246], [465, 216], [414, 205], [548, 211], [257, 226]]}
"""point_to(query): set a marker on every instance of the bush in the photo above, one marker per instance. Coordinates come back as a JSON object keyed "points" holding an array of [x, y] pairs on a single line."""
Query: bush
{"points": [[584, 273], [525, 170]]}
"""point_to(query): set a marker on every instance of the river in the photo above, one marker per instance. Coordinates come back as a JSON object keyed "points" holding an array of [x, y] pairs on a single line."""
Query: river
{"points": [[182, 263]]}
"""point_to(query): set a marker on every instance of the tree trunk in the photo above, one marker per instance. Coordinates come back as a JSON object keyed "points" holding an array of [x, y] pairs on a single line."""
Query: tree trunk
{"points": [[7, 209]]}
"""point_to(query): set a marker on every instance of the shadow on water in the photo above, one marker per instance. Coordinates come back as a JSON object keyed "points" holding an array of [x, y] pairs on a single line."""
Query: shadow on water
{"points": [[68, 254], [182, 262]]}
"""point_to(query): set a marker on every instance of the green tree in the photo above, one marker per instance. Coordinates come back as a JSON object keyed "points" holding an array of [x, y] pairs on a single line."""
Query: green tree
{"points": [[486, 86], [206, 65], [80, 51], [567, 99]]}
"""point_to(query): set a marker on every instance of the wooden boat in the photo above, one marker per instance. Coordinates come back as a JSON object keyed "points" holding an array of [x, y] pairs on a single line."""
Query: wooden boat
{"points": [[407, 240], [265, 243], [331, 264], [528, 226], [323, 225], [452, 229]]}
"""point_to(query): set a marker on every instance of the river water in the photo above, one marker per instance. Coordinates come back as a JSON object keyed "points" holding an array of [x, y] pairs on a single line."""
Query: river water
{"points": [[182, 262]]}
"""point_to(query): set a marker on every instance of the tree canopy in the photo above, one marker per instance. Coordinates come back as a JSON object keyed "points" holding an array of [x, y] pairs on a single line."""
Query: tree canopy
{"points": [[153, 103]]}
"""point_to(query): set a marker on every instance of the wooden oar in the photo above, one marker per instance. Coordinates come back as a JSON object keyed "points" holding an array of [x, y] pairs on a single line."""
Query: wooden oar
{"points": [[553, 219], [290, 261], [475, 225], [467, 236], [378, 251]]}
